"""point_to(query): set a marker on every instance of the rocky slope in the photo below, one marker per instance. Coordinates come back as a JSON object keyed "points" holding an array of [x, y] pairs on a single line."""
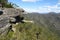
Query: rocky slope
{"points": [[8, 17]]}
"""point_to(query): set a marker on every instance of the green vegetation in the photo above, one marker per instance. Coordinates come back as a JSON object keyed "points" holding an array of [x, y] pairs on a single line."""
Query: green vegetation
{"points": [[28, 31], [9, 5], [6, 4]]}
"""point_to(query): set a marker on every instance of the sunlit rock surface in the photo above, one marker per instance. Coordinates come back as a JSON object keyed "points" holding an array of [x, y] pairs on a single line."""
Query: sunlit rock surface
{"points": [[8, 15]]}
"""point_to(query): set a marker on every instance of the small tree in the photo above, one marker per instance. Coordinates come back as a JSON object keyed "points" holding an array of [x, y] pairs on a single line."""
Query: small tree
{"points": [[6, 4], [9, 5]]}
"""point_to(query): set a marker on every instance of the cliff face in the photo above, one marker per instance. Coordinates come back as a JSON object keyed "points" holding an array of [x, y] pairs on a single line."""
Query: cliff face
{"points": [[9, 16]]}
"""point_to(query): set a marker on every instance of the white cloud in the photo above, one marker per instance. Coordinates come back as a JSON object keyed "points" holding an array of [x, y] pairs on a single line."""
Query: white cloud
{"points": [[45, 9], [30, 0], [54, 8]]}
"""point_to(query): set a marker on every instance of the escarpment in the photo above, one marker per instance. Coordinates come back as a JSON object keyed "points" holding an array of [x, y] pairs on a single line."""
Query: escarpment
{"points": [[9, 16]]}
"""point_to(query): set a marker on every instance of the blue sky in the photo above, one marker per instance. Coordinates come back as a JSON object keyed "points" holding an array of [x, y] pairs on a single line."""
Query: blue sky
{"points": [[41, 6]]}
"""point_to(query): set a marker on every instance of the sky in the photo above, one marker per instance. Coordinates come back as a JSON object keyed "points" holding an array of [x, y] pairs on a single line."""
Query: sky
{"points": [[41, 6]]}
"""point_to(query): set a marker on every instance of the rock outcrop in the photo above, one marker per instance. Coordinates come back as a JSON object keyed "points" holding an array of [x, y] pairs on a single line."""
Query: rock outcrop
{"points": [[9, 16]]}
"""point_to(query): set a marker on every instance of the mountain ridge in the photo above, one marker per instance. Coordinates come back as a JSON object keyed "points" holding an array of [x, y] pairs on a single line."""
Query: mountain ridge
{"points": [[50, 19]]}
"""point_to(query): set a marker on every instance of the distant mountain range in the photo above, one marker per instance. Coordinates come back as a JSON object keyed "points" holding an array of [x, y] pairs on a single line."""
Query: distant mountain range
{"points": [[50, 20]]}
